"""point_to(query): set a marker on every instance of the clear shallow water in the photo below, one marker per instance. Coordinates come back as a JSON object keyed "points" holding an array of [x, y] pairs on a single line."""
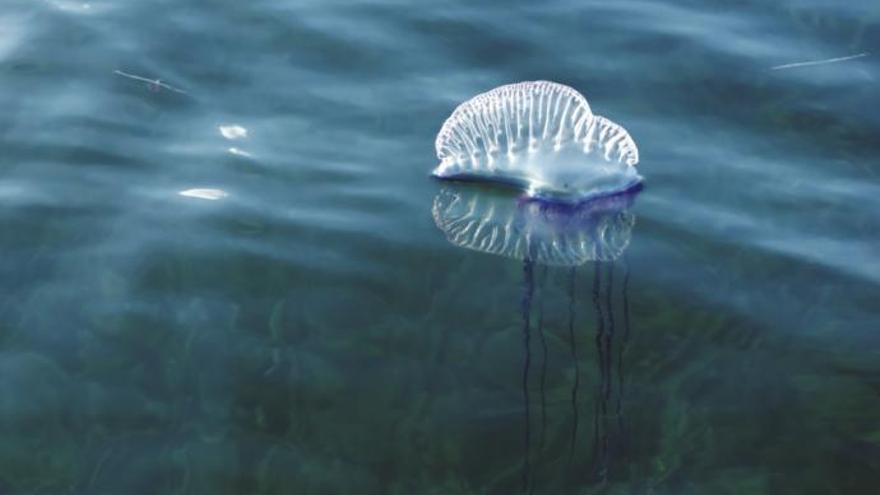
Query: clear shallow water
{"points": [[311, 330]]}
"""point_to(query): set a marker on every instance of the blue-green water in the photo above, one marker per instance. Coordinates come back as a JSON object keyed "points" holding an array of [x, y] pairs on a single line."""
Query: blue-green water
{"points": [[312, 331]]}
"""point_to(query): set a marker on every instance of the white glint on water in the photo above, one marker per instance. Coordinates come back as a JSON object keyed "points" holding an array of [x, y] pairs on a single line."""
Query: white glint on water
{"points": [[238, 152], [233, 131], [206, 194], [541, 136], [72, 6]]}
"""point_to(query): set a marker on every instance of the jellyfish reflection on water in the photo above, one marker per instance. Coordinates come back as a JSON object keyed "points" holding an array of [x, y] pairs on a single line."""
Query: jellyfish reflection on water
{"points": [[557, 236]]}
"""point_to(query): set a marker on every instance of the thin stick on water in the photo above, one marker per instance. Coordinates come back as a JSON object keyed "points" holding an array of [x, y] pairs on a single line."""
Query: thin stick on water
{"points": [[154, 82], [820, 62]]}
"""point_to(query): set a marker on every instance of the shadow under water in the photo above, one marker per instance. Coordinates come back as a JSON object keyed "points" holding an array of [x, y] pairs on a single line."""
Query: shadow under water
{"points": [[549, 236]]}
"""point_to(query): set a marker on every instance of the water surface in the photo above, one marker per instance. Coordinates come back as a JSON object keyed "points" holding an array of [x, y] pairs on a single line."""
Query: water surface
{"points": [[189, 308]]}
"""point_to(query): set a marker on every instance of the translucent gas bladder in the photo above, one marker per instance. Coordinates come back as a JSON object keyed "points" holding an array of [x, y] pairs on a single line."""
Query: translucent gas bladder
{"points": [[549, 233], [541, 136]]}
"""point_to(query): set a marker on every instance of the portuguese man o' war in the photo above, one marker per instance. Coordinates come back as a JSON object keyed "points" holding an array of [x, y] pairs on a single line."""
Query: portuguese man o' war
{"points": [[540, 136], [578, 172]]}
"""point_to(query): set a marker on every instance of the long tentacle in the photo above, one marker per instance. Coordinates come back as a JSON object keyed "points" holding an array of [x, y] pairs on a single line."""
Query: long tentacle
{"points": [[574, 358], [526, 307]]}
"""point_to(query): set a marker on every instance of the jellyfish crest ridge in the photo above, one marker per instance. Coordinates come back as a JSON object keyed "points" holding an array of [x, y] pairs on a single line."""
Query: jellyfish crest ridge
{"points": [[538, 135]]}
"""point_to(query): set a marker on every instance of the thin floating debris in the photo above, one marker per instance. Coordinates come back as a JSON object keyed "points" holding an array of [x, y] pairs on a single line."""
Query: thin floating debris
{"points": [[207, 194], [820, 62], [154, 84], [540, 136], [233, 131]]}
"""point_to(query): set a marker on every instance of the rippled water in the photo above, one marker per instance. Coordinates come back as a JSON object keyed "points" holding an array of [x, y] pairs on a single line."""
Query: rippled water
{"points": [[231, 281]]}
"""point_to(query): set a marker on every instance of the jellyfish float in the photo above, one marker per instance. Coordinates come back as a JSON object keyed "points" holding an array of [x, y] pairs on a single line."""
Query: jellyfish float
{"points": [[577, 171], [539, 136]]}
